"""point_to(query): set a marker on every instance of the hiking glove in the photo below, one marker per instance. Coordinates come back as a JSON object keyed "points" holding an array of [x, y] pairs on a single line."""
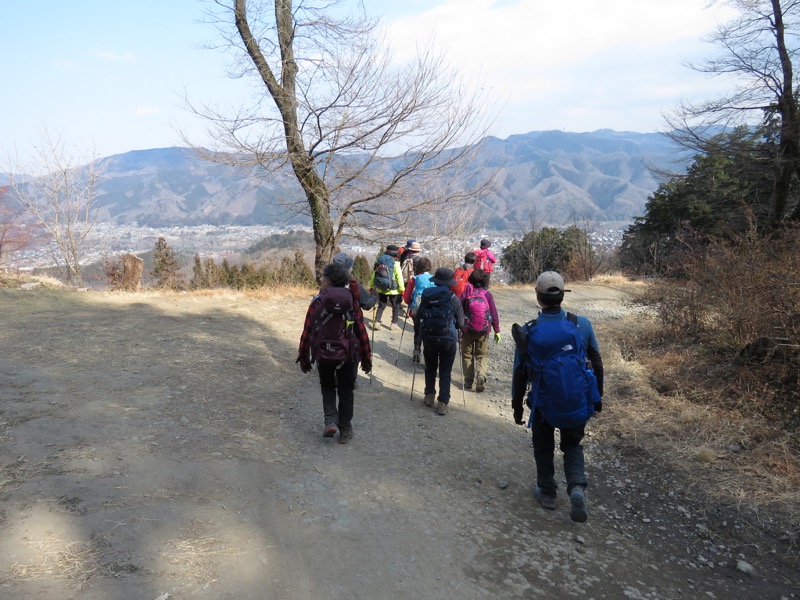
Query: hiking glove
{"points": [[518, 418], [496, 338], [305, 364], [598, 407], [366, 365]]}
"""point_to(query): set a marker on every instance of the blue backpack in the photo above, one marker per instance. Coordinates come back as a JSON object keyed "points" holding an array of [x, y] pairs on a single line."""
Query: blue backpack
{"points": [[437, 319], [384, 273], [421, 283], [563, 386]]}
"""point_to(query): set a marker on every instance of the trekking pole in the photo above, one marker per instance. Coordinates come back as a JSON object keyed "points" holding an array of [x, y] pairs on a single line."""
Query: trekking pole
{"points": [[405, 321], [463, 382], [413, 378], [372, 341]]}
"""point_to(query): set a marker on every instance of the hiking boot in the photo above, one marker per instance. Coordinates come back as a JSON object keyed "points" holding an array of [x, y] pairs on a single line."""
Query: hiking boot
{"points": [[415, 356], [441, 409], [468, 385], [480, 384], [345, 435], [546, 500], [329, 431], [429, 398], [577, 498]]}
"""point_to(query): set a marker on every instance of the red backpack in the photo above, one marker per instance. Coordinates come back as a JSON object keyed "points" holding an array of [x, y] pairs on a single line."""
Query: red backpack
{"points": [[480, 259], [461, 276], [477, 315]]}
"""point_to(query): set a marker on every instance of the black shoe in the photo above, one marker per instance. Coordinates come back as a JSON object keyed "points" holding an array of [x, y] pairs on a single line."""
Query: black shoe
{"points": [[577, 498], [345, 435], [546, 500], [468, 385]]}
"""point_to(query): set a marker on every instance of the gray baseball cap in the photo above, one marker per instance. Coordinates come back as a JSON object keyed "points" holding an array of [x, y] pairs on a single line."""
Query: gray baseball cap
{"points": [[550, 282]]}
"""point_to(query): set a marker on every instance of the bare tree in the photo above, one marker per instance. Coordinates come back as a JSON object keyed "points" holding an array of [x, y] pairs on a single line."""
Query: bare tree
{"points": [[372, 143], [758, 48], [59, 190], [15, 233], [588, 258]]}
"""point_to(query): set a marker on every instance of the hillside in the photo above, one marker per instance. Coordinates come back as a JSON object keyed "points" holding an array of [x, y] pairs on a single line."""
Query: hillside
{"points": [[548, 175], [168, 447]]}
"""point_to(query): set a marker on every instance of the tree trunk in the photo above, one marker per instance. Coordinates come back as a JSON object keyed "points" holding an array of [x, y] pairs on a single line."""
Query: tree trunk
{"points": [[283, 94]]}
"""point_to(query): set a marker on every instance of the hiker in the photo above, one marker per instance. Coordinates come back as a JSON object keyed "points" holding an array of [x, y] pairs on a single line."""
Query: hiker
{"points": [[413, 292], [485, 259], [334, 336], [461, 275], [408, 259], [437, 329], [480, 317], [387, 280], [568, 340]]}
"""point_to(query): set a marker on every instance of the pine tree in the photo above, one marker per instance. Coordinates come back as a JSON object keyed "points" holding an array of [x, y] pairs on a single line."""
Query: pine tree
{"points": [[166, 269]]}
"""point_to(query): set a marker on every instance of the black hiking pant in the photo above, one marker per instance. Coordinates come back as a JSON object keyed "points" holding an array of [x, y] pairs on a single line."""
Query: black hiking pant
{"points": [[337, 379], [439, 357], [544, 446]]}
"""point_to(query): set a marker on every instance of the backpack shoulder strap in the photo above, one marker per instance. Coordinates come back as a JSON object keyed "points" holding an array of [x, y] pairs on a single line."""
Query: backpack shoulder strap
{"points": [[572, 318]]}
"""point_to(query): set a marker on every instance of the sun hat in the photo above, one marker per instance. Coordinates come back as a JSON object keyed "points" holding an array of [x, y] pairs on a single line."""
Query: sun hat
{"points": [[344, 259], [550, 282], [413, 247], [444, 276]]}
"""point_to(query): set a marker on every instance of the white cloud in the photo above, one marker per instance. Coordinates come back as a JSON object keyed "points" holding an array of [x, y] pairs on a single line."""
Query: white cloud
{"points": [[564, 62], [116, 57]]}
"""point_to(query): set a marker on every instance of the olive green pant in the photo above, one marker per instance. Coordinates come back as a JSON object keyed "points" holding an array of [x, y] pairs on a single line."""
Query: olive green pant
{"points": [[475, 348]]}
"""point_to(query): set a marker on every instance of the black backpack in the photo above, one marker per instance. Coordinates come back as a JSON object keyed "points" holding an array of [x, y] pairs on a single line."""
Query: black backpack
{"points": [[437, 317], [333, 338], [384, 273]]}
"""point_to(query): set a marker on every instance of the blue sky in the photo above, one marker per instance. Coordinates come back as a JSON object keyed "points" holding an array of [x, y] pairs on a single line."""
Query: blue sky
{"points": [[109, 76]]}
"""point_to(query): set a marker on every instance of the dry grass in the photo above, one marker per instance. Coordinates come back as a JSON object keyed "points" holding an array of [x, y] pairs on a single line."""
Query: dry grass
{"points": [[195, 552], [60, 559], [662, 400], [14, 279]]}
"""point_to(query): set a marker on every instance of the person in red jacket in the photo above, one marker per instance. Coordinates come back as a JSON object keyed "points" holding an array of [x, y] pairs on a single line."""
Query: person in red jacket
{"points": [[485, 259]]}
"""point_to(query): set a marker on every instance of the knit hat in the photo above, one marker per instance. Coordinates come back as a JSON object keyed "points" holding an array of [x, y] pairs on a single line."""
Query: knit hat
{"points": [[392, 250], [550, 283]]}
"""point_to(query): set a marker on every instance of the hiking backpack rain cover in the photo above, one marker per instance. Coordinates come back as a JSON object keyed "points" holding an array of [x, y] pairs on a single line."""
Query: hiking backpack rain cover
{"points": [[384, 273], [333, 338], [477, 315], [437, 320], [564, 388]]}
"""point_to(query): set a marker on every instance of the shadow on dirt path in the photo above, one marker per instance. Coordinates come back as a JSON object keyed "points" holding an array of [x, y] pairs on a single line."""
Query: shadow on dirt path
{"points": [[156, 447]]}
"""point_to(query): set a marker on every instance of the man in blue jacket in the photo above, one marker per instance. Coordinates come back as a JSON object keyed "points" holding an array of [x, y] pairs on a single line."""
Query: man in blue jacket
{"points": [[549, 294]]}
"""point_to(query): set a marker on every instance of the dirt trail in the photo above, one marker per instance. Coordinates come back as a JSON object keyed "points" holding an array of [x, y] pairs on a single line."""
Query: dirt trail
{"points": [[156, 447]]}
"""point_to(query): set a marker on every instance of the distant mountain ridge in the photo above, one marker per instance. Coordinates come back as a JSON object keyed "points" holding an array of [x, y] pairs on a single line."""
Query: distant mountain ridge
{"points": [[549, 176]]}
